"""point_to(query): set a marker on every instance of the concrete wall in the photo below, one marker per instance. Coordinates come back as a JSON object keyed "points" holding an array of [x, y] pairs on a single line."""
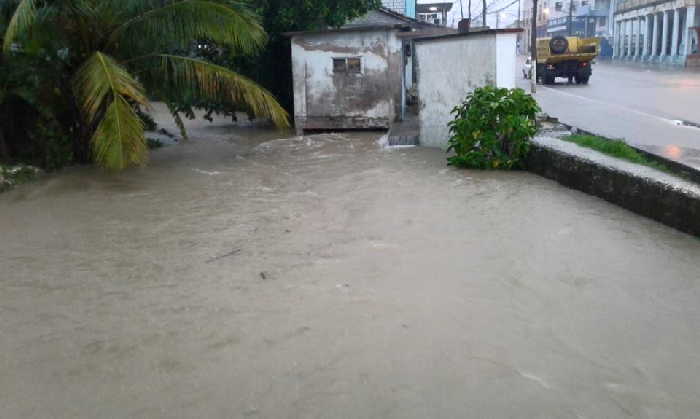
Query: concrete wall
{"points": [[450, 67], [327, 100], [660, 196]]}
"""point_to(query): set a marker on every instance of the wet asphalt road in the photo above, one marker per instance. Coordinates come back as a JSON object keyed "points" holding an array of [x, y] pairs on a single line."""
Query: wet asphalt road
{"points": [[641, 105]]}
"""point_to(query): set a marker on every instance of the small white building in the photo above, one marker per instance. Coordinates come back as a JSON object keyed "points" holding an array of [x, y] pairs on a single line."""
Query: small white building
{"points": [[351, 77], [358, 76]]}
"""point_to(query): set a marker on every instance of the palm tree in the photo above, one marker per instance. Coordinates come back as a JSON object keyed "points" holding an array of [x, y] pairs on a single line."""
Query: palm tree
{"points": [[114, 51]]}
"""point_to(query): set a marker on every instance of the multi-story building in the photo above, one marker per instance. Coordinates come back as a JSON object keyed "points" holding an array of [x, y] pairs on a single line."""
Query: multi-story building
{"points": [[435, 13], [405, 7], [656, 31]]}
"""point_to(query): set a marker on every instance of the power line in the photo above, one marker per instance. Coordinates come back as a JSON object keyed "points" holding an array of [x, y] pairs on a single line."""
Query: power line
{"points": [[503, 8], [480, 14], [491, 12]]}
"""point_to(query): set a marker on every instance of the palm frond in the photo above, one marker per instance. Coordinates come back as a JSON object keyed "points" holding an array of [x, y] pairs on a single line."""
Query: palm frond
{"points": [[99, 80], [178, 24], [107, 95], [119, 140], [21, 20], [178, 121], [215, 82]]}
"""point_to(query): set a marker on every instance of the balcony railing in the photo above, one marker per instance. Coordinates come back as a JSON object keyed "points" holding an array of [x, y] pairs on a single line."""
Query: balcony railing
{"points": [[624, 5]]}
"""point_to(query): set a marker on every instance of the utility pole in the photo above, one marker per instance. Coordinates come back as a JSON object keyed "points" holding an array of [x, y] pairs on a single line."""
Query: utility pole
{"points": [[520, 25], [533, 48], [461, 8], [483, 12], [470, 11], [571, 15]]}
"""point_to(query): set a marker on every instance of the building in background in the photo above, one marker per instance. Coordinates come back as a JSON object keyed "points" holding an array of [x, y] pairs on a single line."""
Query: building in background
{"points": [[435, 13], [405, 7], [356, 76], [584, 18], [656, 31]]}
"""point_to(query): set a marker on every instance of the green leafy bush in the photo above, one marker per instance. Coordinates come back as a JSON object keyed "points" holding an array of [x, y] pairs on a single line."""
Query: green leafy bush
{"points": [[492, 129]]}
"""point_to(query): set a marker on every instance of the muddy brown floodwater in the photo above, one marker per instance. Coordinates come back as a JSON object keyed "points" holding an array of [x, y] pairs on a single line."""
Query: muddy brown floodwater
{"points": [[241, 275]]}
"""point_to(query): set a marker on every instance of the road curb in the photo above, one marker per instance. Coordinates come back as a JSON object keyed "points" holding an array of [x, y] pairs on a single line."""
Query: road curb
{"points": [[676, 167], [654, 195]]}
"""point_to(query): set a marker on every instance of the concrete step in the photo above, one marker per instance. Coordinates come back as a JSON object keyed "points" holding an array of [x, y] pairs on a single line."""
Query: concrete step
{"points": [[411, 139]]}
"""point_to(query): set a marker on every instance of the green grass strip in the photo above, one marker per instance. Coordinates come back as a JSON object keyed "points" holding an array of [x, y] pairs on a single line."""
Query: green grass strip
{"points": [[614, 148]]}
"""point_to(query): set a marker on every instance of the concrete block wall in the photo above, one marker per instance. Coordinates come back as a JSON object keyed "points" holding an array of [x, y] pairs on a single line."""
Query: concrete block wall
{"points": [[659, 196]]}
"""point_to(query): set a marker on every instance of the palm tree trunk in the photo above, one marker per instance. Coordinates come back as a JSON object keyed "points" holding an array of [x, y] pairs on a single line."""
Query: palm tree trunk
{"points": [[4, 150], [81, 132]]}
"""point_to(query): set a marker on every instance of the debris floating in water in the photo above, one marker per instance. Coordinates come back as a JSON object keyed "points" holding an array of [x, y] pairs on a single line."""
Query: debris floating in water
{"points": [[231, 253]]}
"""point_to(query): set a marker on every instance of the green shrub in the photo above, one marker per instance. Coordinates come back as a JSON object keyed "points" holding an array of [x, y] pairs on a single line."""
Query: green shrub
{"points": [[492, 129]]}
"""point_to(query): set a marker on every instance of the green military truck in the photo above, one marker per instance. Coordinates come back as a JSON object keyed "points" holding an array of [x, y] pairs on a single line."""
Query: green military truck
{"points": [[568, 57]]}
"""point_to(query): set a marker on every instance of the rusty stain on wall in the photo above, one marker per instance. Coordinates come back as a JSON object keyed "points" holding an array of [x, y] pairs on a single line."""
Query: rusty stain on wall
{"points": [[378, 49]]}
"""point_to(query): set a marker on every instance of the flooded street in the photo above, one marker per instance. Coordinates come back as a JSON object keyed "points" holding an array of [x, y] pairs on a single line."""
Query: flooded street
{"points": [[244, 276]]}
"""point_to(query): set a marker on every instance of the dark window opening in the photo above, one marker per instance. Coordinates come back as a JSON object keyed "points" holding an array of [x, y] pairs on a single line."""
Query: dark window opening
{"points": [[339, 65], [347, 65]]}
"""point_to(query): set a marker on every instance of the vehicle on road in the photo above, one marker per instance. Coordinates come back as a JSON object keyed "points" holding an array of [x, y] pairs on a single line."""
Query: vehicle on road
{"points": [[527, 68], [569, 57]]}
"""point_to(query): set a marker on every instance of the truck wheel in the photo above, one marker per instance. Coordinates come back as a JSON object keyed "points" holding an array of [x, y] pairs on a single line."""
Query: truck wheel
{"points": [[582, 80]]}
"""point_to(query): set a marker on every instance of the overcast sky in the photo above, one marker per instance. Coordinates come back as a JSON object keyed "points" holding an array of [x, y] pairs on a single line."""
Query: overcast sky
{"points": [[507, 17]]}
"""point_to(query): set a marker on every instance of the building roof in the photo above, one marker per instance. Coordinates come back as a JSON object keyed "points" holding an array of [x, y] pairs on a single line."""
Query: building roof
{"points": [[381, 15], [436, 37], [380, 19]]}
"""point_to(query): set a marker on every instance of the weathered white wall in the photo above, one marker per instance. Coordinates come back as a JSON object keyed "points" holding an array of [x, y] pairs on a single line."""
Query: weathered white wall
{"points": [[324, 100], [506, 50], [449, 68]]}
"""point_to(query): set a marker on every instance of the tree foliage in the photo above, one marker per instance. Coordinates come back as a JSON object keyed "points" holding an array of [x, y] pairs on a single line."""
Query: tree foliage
{"points": [[280, 16], [272, 66], [492, 129], [104, 55]]}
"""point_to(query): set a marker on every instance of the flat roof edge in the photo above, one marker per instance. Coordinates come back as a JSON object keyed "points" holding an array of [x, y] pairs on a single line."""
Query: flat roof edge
{"points": [[349, 29], [467, 34]]}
